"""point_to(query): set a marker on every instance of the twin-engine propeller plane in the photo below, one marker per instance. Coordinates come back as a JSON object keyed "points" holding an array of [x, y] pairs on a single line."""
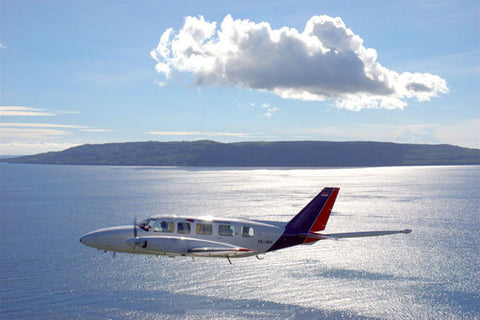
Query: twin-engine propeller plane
{"points": [[227, 238]]}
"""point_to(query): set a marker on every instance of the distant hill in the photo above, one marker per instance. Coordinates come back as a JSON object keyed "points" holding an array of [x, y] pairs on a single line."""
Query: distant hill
{"points": [[257, 154]]}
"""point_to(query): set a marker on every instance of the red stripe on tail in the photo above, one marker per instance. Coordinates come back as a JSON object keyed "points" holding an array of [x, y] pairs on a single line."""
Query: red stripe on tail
{"points": [[322, 218]]}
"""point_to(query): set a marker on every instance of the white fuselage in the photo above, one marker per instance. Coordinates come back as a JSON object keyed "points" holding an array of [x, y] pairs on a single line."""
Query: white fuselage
{"points": [[184, 236]]}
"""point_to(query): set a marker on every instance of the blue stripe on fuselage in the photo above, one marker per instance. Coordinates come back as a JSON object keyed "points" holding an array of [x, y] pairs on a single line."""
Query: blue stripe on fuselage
{"points": [[287, 240]]}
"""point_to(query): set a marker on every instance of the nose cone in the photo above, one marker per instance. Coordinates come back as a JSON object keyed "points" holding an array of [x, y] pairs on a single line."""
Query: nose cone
{"points": [[111, 239], [90, 239]]}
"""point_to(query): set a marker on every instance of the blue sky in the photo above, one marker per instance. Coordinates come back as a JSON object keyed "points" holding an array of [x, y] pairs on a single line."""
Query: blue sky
{"points": [[76, 72]]}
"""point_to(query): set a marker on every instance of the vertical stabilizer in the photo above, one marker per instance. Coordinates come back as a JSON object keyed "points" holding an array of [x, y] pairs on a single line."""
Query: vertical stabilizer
{"points": [[314, 216]]}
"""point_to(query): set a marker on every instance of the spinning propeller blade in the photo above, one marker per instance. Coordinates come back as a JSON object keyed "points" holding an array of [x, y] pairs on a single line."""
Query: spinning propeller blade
{"points": [[135, 232], [135, 227]]}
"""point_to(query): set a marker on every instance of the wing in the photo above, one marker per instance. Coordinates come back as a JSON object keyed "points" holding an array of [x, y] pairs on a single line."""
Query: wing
{"points": [[336, 236], [220, 251], [172, 245]]}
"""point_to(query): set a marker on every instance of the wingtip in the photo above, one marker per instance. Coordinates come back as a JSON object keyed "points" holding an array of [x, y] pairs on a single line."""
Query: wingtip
{"points": [[407, 231]]}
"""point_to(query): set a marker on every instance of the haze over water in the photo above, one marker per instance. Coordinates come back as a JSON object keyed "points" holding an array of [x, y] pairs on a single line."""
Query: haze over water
{"points": [[432, 273]]}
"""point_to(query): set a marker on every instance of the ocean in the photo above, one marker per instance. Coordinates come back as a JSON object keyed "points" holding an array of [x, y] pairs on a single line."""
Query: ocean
{"points": [[432, 273]]}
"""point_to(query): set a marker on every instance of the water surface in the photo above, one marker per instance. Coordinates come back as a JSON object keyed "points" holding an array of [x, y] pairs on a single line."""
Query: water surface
{"points": [[45, 273]]}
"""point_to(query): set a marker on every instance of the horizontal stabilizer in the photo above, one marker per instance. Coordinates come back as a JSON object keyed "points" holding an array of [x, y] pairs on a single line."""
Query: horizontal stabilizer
{"points": [[336, 236]]}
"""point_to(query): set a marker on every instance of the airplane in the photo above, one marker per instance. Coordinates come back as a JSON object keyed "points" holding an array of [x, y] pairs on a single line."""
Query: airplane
{"points": [[221, 237]]}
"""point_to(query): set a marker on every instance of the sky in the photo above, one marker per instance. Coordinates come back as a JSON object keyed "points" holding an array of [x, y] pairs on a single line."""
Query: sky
{"points": [[86, 71]]}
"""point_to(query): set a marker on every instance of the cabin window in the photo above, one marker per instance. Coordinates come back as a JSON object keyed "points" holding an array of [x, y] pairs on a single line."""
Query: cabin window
{"points": [[226, 230], [164, 226], [183, 227], [247, 231], [204, 228]]}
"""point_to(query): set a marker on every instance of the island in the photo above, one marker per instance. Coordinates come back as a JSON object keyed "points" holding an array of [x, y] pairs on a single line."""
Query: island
{"points": [[206, 153]]}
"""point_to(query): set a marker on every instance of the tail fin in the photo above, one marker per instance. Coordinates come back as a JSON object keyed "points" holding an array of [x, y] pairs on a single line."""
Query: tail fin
{"points": [[314, 216]]}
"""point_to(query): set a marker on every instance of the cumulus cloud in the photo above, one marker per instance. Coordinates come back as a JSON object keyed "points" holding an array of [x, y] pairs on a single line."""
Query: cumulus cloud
{"points": [[326, 61]]}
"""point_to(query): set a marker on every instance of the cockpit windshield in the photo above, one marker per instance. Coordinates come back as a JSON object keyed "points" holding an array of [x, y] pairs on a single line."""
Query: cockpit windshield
{"points": [[147, 224], [157, 225]]}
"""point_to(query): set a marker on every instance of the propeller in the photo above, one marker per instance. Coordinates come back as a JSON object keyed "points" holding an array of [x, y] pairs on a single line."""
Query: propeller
{"points": [[135, 227], [135, 233], [135, 236]]}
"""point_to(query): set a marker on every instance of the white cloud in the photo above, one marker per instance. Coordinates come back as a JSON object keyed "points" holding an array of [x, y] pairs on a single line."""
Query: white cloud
{"points": [[95, 130], [161, 84], [67, 112], [266, 107], [326, 61], [20, 138], [30, 134], [11, 130], [20, 111], [23, 112], [39, 125]]}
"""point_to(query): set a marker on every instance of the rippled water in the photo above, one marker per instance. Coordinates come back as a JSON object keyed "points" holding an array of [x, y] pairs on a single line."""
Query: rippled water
{"points": [[430, 274]]}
